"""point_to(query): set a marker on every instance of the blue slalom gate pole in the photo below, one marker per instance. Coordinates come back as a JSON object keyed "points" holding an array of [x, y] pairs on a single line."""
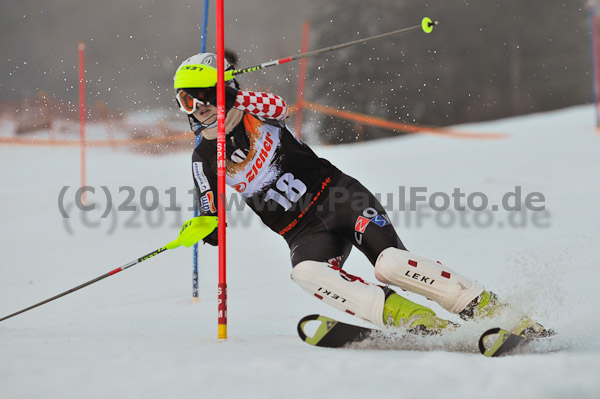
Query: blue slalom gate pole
{"points": [[198, 139], [204, 27]]}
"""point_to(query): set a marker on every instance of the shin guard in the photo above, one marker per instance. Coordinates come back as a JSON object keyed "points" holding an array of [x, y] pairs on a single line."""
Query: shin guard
{"points": [[341, 290], [425, 277]]}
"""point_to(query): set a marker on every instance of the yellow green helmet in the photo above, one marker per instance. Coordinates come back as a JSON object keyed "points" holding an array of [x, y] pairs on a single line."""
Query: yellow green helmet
{"points": [[200, 71]]}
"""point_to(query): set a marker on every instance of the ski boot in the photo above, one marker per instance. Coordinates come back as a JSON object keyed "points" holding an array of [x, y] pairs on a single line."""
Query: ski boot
{"points": [[487, 305], [530, 329], [415, 318]]}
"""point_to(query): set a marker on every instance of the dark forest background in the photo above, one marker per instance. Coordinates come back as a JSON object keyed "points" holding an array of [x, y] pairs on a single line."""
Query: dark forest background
{"points": [[485, 60]]}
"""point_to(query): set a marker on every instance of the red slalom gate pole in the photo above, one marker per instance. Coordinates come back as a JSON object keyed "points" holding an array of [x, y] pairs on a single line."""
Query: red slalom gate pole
{"points": [[222, 287], [596, 64], [301, 81], [81, 47]]}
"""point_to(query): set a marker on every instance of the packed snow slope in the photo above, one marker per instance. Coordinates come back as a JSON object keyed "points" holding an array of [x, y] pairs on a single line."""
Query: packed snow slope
{"points": [[138, 333]]}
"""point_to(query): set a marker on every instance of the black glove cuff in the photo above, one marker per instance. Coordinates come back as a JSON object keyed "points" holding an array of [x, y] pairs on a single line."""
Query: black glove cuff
{"points": [[212, 238], [230, 97]]}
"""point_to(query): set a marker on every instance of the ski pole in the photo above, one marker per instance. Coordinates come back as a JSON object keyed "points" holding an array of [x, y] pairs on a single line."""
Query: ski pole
{"points": [[426, 25], [191, 232]]}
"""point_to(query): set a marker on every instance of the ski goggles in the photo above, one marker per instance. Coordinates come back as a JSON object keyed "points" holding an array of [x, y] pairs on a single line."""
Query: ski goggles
{"points": [[188, 103]]}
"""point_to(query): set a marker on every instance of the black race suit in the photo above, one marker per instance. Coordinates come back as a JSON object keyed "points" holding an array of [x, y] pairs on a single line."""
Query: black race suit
{"points": [[318, 210]]}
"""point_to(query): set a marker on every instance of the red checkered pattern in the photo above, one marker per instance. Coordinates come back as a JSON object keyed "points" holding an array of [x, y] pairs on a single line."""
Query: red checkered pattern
{"points": [[264, 105]]}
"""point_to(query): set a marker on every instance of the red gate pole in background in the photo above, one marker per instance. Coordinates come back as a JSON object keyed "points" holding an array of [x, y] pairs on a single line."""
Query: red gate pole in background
{"points": [[301, 81], [81, 47], [596, 64]]}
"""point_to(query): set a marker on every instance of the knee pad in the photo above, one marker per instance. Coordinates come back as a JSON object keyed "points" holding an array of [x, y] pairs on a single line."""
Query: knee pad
{"points": [[425, 277], [341, 290]]}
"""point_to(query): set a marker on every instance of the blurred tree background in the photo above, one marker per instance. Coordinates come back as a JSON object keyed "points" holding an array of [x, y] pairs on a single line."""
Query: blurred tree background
{"points": [[485, 60]]}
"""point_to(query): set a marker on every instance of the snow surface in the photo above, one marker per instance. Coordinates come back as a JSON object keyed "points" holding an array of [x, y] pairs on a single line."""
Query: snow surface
{"points": [[138, 334]]}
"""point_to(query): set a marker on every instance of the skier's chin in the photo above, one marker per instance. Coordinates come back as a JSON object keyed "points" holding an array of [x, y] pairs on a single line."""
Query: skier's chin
{"points": [[207, 117]]}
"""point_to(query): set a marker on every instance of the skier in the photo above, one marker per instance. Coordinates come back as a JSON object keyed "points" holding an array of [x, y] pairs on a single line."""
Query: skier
{"points": [[320, 211]]}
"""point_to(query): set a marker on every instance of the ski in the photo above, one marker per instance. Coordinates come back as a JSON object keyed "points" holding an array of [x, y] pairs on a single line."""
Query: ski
{"points": [[497, 342], [332, 333]]}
